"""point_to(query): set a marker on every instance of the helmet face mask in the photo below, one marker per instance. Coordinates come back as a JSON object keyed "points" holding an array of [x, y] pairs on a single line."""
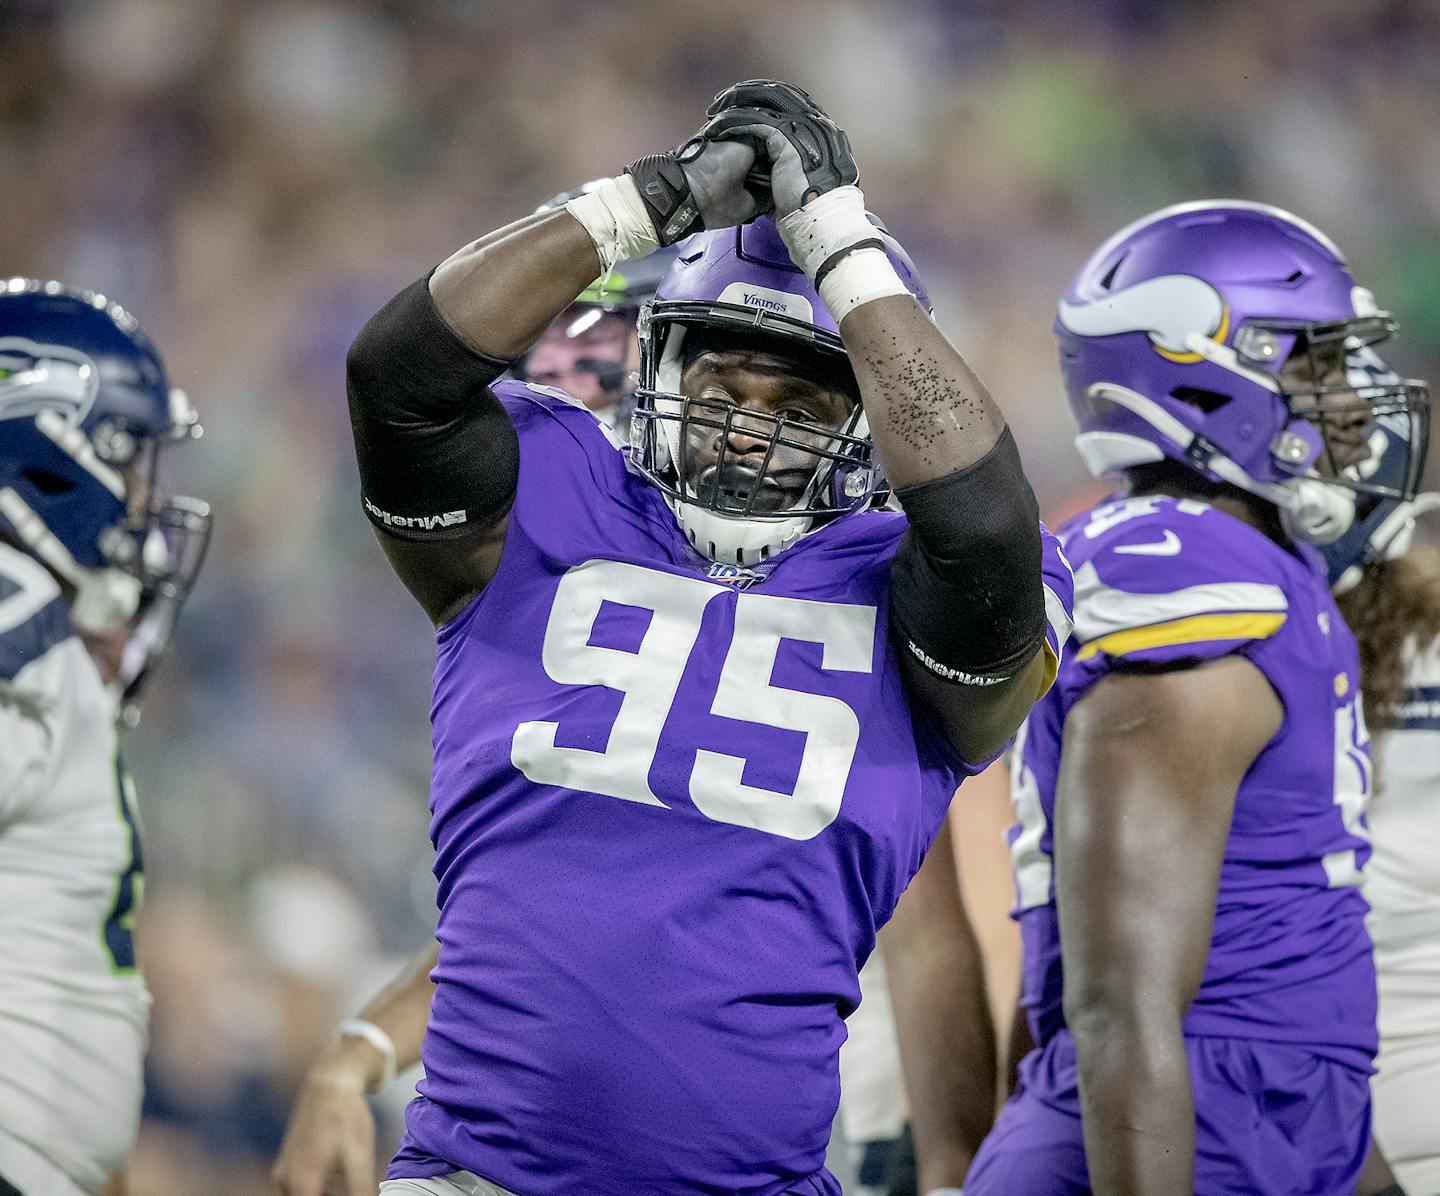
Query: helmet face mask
{"points": [[1385, 519], [686, 443], [747, 477], [1219, 334], [1336, 382]]}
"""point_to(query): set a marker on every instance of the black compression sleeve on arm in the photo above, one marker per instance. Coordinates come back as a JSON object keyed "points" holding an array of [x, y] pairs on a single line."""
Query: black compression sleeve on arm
{"points": [[438, 454], [966, 592]]}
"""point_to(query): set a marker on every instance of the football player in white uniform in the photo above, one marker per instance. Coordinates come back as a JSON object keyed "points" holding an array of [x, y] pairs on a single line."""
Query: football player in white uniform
{"points": [[1389, 593], [88, 552]]}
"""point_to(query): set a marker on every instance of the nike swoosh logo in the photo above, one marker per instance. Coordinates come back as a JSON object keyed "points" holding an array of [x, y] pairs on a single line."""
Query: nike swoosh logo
{"points": [[1169, 546]]}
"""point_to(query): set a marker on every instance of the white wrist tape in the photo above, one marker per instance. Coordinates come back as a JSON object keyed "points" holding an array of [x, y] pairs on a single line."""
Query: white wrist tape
{"points": [[859, 277], [355, 1027], [824, 226], [823, 237], [615, 217]]}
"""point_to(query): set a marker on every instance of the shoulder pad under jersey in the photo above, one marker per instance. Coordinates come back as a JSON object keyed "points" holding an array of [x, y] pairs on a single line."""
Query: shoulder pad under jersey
{"points": [[1159, 579]]}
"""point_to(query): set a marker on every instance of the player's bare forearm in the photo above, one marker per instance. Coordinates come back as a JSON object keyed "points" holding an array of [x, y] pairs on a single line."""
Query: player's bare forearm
{"points": [[975, 532], [929, 414], [402, 1008], [1136, 1103], [499, 293], [331, 1133], [942, 1019]]}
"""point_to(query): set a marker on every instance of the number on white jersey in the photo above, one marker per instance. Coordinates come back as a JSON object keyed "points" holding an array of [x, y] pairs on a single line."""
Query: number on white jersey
{"points": [[649, 678]]}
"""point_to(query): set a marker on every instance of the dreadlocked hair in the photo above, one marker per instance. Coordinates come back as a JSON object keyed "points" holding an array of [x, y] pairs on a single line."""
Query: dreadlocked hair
{"points": [[1396, 603]]}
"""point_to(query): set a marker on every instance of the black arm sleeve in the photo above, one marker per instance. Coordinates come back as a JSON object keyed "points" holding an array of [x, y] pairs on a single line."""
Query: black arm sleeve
{"points": [[438, 454], [966, 590]]}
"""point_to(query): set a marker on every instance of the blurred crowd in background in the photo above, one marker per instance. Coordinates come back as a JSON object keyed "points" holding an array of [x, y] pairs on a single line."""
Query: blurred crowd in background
{"points": [[252, 179]]}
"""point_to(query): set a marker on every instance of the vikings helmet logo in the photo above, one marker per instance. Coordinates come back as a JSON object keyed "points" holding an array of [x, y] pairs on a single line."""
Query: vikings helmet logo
{"points": [[1169, 309]]}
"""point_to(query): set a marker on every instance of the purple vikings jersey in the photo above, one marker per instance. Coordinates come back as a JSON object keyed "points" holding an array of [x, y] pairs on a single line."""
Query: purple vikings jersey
{"points": [[672, 802], [1160, 582]]}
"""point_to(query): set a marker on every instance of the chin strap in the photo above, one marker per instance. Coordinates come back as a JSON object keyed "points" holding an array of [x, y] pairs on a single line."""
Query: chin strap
{"points": [[1312, 509], [731, 541]]}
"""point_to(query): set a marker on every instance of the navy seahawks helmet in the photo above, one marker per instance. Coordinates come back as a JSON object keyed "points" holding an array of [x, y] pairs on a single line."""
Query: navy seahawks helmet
{"points": [[1384, 524], [85, 408]]}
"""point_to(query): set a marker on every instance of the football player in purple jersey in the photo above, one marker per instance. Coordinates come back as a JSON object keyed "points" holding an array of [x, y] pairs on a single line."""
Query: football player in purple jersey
{"points": [[1191, 793], [698, 708]]}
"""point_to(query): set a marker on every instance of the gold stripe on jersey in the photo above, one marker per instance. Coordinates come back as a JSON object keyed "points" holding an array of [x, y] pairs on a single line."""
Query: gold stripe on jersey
{"points": [[1254, 625]]}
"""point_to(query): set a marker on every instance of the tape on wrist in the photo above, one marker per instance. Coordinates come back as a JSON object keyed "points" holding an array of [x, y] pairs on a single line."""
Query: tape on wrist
{"points": [[615, 217], [832, 240], [827, 225], [355, 1027], [861, 276]]}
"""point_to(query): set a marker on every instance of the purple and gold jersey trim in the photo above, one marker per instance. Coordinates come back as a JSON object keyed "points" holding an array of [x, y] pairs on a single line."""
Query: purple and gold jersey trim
{"points": [[1120, 622], [1197, 629], [1059, 598]]}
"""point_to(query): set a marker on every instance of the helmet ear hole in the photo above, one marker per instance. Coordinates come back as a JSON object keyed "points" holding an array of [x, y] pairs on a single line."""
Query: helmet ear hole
{"points": [[1207, 401], [49, 484]]}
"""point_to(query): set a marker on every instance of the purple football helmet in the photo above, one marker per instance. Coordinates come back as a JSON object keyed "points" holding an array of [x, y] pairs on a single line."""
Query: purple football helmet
{"points": [[1173, 338], [740, 286]]}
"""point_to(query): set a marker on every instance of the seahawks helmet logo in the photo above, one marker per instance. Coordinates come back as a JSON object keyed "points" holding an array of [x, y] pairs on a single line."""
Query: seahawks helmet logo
{"points": [[36, 378]]}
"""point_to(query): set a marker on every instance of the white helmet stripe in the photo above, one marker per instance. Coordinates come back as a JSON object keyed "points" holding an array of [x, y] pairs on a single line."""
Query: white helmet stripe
{"points": [[71, 441], [38, 538]]}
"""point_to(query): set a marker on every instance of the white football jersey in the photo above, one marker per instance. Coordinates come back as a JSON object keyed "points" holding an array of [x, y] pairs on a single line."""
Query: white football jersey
{"points": [[1403, 885], [1403, 877], [74, 1012]]}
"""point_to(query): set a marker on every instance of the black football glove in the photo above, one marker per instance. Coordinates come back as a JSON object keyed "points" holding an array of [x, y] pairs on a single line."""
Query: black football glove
{"points": [[702, 184], [806, 152]]}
